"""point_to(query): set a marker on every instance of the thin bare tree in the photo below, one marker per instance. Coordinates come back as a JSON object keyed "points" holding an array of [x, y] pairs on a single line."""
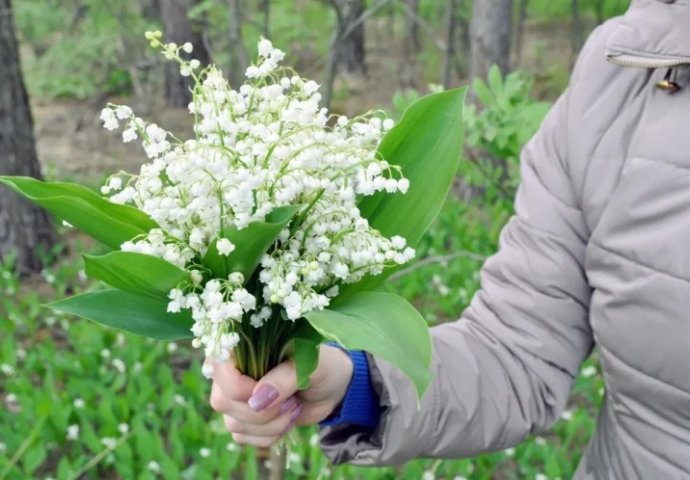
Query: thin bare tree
{"points": [[451, 27], [339, 36], [179, 28], [349, 50], [522, 16], [239, 58], [412, 40], [25, 229], [266, 11]]}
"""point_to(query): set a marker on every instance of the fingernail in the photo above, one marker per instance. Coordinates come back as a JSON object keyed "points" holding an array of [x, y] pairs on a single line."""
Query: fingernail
{"points": [[296, 412], [263, 397], [287, 405]]}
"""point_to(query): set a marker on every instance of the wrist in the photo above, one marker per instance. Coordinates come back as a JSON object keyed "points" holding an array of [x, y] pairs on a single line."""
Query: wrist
{"points": [[343, 372]]}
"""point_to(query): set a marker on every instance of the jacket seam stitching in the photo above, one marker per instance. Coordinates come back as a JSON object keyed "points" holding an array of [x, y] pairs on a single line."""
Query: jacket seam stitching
{"points": [[665, 162], [637, 262], [647, 375]]}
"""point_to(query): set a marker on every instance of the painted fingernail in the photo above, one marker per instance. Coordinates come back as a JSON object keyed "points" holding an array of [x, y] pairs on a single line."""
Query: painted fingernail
{"points": [[296, 412], [287, 405], [263, 397]]}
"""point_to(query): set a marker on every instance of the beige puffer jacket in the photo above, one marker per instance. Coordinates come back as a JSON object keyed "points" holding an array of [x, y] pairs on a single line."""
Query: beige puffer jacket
{"points": [[598, 252]]}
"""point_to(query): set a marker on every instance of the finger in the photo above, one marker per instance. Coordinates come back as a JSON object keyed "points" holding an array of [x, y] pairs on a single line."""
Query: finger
{"points": [[242, 412], [232, 383], [314, 413], [261, 442], [275, 427], [276, 386]]}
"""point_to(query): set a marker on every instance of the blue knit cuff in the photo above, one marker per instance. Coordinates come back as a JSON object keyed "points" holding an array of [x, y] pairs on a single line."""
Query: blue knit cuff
{"points": [[360, 405]]}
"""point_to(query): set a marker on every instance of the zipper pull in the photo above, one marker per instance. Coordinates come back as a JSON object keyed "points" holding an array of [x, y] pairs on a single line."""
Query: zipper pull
{"points": [[668, 85]]}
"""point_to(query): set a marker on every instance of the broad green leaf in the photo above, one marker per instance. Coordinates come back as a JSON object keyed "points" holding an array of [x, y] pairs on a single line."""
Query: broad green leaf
{"points": [[107, 222], [250, 244], [131, 313], [385, 325], [495, 79], [305, 342], [135, 273], [427, 144], [34, 457]]}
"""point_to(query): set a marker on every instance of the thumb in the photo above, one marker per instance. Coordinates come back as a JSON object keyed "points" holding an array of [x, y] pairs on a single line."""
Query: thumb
{"points": [[276, 386]]}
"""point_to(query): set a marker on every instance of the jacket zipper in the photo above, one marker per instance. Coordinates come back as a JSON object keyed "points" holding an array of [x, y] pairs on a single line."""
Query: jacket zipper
{"points": [[639, 61]]}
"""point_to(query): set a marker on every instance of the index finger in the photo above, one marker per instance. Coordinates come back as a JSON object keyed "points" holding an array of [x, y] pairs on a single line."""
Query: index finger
{"points": [[232, 383]]}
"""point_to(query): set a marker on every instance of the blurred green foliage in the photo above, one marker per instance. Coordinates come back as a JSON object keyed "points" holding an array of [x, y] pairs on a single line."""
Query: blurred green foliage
{"points": [[82, 48]]}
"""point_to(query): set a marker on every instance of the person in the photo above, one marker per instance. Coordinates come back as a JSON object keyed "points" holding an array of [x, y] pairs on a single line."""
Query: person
{"points": [[598, 253]]}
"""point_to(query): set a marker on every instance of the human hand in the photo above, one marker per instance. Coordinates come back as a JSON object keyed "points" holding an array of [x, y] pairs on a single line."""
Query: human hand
{"points": [[260, 412]]}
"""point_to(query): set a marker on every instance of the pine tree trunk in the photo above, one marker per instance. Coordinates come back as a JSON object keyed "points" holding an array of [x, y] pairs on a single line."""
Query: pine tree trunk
{"points": [[180, 29], [349, 54], [490, 36], [24, 228]]}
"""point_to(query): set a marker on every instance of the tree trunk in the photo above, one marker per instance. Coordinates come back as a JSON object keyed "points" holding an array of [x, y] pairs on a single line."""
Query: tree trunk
{"points": [[490, 36], [412, 40], [239, 58], [522, 15], [349, 54], [451, 23], [180, 29], [266, 10], [25, 229]]}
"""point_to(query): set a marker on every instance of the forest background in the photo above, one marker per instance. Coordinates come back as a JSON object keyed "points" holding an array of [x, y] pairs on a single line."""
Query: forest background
{"points": [[81, 401]]}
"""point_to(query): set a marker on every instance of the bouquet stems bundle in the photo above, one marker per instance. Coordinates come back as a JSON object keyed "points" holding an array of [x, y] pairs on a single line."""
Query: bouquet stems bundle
{"points": [[272, 228]]}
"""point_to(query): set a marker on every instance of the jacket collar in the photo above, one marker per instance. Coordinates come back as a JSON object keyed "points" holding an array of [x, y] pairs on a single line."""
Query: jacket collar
{"points": [[652, 34]]}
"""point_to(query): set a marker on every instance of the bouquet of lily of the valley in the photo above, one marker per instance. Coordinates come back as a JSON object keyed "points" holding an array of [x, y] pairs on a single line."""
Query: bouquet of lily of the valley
{"points": [[271, 229]]}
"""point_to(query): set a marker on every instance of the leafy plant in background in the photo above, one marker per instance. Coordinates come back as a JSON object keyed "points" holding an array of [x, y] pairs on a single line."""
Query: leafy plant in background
{"points": [[76, 49]]}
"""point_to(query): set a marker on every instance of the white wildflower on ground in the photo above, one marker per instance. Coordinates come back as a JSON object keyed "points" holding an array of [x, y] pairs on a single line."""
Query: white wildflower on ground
{"points": [[205, 452], [73, 432], [264, 146], [3, 447], [79, 403], [109, 442], [154, 467], [119, 365]]}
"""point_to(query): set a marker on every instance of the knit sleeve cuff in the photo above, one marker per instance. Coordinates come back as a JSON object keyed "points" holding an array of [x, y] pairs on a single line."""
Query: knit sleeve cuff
{"points": [[360, 406]]}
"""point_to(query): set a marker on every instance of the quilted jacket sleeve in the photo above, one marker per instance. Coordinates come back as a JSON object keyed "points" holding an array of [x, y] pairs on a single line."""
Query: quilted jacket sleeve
{"points": [[503, 370]]}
